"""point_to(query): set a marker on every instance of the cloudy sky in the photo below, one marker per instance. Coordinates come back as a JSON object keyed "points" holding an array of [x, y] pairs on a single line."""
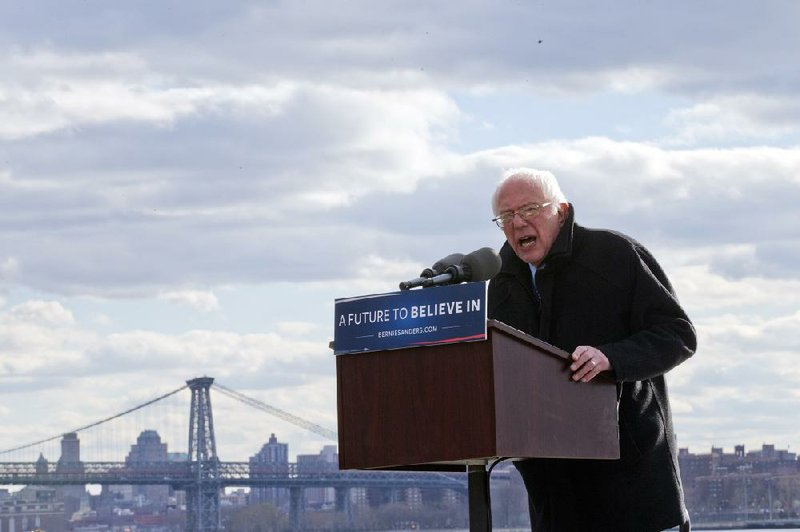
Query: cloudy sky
{"points": [[186, 187]]}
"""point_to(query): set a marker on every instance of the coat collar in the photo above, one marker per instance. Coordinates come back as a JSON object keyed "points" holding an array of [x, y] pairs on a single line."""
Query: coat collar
{"points": [[562, 247]]}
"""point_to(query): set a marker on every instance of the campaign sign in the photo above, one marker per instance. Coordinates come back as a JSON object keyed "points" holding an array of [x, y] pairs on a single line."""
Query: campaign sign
{"points": [[442, 314]]}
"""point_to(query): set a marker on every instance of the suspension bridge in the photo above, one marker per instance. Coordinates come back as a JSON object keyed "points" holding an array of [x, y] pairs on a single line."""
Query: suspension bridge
{"points": [[200, 473]]}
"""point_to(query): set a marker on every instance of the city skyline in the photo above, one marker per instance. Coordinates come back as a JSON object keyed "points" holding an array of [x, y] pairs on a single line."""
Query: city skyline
{"points": [[186, 188], [277, 449], [753, 485]]}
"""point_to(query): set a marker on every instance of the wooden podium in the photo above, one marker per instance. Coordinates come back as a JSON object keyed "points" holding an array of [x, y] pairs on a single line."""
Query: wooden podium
{"points": [[452, 406]]}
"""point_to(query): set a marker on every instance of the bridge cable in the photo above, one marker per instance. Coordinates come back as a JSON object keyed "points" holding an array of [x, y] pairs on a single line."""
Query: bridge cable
{"points": [[135, 408], [255, 403]]}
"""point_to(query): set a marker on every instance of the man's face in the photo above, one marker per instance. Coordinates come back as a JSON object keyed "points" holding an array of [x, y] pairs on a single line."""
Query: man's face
{"points": [[530, 238]]}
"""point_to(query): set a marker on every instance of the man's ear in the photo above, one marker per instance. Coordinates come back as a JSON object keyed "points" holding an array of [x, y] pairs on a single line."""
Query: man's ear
{"points": [[563, 211]]}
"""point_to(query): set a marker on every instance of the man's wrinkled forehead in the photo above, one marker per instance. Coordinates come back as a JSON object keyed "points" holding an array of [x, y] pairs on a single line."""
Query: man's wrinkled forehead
{"points": [[515, 193]]}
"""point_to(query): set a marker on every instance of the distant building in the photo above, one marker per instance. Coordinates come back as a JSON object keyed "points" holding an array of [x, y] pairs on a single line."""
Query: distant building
{"points": [[148, 448], [70, 448], [732, 486], [273, 458], [31, 508], [177, 498], [238, 497], [42, 465], [74, 497], [178, 457], [148, 452], [326, 461]]}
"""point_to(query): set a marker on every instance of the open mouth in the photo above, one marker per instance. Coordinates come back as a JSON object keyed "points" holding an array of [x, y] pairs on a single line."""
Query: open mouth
{"points": [[527, 241]]}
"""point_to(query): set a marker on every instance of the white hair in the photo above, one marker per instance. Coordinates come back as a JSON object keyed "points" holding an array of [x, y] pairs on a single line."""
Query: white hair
{"points": [[540, 179]]}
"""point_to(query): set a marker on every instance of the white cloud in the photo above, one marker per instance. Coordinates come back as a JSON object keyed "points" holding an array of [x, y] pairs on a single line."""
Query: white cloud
{"points": [[296, 328], [735, 118], [201, 301], [41, 313], [137, 233], [326, 146], [738, 386], [101, 320], [91, 376], [40, 337], [704, 291], [218, 352], [53, 92], [9, 268]]}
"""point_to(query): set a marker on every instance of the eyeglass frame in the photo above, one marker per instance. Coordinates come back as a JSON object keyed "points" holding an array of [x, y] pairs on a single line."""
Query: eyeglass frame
{"points": [[535, 210]]}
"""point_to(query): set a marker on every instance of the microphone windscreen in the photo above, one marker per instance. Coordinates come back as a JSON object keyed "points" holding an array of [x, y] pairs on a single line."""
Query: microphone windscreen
{"points": [[483, 264], [442, 264]]}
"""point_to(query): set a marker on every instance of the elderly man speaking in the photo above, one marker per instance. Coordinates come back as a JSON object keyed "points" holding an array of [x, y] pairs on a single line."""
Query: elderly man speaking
{"points": [[601, 296]]}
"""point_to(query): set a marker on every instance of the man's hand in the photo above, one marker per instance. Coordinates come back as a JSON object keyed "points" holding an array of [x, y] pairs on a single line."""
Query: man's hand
{"points": [[587, 363]]}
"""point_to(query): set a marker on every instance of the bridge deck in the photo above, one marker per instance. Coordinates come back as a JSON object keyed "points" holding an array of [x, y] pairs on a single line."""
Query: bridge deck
{"points": [[180, 474]]}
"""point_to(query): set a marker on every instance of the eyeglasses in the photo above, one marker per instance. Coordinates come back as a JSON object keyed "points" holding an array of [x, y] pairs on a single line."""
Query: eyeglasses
{"points": [[526, 213]]}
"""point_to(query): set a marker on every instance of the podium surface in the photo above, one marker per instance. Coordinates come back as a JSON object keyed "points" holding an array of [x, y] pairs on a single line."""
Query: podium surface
{"points": [[444, 406]]}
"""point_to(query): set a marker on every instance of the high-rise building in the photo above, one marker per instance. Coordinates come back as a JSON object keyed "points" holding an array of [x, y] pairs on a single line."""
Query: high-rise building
{"points": [[149, 451], [273, 458], [326, 461], [74, 497], [148, 448], [70, 448]]}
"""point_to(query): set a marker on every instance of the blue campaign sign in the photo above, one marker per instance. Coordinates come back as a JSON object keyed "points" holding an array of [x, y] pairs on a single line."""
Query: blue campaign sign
{"points": [[454, 313]]}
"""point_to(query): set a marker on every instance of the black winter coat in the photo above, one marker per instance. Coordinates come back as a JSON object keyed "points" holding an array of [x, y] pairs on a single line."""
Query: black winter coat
{"points": [[603, 289]]}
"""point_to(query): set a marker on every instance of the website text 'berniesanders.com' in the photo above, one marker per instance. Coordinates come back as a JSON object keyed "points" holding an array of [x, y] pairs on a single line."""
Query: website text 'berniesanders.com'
{"points": [[411, 330]]}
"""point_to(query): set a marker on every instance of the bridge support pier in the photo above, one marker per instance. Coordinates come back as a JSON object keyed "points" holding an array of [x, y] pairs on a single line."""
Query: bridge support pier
{"points": [[344, 506], [297, 503], [202, 496], [379, 496]]}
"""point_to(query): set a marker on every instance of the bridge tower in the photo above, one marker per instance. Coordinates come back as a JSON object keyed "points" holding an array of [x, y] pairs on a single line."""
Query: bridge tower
{"points": [[202, 496]]}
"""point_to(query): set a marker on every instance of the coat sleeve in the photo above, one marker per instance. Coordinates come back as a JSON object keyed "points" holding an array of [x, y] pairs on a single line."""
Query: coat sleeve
{"points": [[662, 336]]}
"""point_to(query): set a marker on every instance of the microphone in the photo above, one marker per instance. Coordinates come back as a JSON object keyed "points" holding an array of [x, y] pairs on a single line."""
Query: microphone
{"points": [[480, 265], [442, 264], [438, 267]]}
